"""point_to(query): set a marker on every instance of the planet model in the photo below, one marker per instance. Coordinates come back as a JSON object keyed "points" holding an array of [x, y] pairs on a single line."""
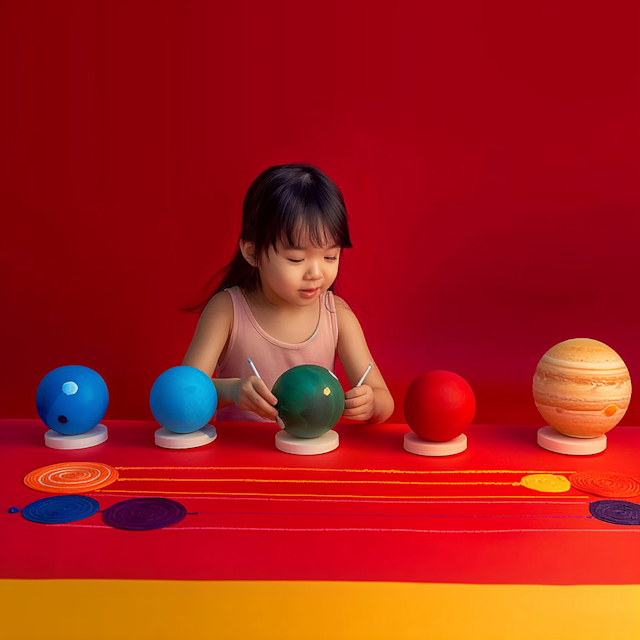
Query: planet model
{"points": [[183, 399], [439, 406], [72, 399], [582, 388], [310, 400]]}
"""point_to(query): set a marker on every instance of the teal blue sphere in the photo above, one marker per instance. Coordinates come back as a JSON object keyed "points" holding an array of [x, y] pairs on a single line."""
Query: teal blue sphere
{"points": [[183, 399]]}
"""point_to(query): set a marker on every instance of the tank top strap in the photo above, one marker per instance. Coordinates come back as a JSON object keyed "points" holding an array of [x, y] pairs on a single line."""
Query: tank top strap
{"points": [[330, 306]]}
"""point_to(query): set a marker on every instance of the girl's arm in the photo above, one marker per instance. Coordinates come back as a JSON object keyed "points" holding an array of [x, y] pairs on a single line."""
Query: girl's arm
{"points": [[371, 401], [210, 338]]}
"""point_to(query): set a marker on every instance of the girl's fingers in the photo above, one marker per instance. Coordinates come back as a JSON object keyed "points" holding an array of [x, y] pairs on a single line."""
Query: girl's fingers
{"points": [[263, 408], [262, 390], [353, 403], [259, 399], [354, 410], [355, 416], [253, 401]]}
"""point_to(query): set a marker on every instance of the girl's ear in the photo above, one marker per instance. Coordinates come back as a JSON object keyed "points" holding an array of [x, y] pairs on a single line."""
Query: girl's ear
{"points": [[248, 249]]}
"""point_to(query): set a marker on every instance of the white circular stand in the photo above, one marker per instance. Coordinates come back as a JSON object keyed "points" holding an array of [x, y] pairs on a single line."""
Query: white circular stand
{"points": [[552, 440], [307, 446], [171, 440], [415, 444], [90, 438]]}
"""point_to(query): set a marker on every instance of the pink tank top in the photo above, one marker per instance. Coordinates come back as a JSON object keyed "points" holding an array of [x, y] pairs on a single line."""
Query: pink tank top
{"points": [[270, 356]]}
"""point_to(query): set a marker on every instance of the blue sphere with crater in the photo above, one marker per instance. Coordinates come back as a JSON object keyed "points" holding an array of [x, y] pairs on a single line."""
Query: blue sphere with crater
{"points": [[72, 399], [183, 399]]}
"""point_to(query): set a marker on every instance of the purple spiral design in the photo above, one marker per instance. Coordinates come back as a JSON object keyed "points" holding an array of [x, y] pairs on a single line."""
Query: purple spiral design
{"points": [[616, 511], [144, 514]]}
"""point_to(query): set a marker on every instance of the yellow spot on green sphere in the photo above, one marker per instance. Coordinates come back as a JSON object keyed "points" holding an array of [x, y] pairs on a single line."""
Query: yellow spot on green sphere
{"points": [[327, 391], [546, 482], [610, 410]]}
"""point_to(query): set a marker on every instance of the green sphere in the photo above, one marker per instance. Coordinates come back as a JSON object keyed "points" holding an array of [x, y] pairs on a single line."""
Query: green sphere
{"points": [[310, 400]]}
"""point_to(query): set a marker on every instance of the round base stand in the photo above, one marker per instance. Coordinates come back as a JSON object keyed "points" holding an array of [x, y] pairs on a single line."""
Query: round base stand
{"points": [[90, 438], [171, 440], [415, 444], [552, 440], [307, 446]]}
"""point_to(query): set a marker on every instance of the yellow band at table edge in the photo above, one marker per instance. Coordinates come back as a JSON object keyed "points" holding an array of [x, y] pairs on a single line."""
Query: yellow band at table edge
{"points": [[306, 610]]}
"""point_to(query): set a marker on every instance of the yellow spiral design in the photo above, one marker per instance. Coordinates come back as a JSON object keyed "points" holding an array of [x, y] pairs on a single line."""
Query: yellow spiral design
{"points": [[546, 482]]}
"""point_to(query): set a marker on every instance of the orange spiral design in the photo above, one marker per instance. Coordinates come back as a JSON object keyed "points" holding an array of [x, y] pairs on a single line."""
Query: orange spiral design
{"points": [[607, 484], [72, 477]]}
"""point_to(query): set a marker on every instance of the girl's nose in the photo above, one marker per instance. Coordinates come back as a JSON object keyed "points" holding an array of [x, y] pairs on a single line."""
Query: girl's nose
{"points": [[313, 269]]}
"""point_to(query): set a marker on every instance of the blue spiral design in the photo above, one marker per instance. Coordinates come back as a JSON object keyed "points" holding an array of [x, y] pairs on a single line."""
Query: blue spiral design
{"points": [[61, 509]]}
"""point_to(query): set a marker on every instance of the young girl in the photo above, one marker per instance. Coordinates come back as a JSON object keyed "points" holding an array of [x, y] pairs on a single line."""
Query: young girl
{"points": [[275, 303]]}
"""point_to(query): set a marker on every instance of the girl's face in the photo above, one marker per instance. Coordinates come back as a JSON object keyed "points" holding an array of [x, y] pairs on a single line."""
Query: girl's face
{"points": [[299, 275]]}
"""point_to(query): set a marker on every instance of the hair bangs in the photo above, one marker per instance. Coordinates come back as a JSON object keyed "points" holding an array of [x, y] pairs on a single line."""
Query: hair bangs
{"points": [[313, 219]]}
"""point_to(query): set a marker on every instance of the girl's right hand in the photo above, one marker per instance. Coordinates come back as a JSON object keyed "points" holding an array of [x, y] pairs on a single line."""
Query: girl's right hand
{"points": [[252, 394]]}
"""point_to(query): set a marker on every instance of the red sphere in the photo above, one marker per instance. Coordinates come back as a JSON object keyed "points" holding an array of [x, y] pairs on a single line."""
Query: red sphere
{"points": [[439, 405]]}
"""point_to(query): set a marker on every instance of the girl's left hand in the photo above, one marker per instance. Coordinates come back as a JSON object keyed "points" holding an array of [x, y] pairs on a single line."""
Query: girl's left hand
{"points": [[359, 403]]}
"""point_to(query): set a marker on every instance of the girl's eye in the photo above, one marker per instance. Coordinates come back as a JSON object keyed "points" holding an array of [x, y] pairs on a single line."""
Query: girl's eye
{"points": [[326, 258]]}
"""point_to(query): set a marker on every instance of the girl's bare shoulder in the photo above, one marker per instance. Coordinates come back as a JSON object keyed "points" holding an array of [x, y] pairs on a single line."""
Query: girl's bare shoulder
{"points": [[219, 305], [218, 314], [341, 304], [212, 333]]}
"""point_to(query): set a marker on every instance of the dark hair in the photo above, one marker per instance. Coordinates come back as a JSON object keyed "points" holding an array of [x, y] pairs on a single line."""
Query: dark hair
{"points": [[283, 203]]}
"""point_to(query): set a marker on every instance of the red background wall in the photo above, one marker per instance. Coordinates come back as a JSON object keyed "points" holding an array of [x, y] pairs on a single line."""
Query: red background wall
{"points": [[488, 153]]}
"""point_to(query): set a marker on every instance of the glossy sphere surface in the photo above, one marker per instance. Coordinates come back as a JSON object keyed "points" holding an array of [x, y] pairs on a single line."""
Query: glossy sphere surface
{"points": [[72, 399], [439, 406], [310, 400], [183, 399], [582, 387]]}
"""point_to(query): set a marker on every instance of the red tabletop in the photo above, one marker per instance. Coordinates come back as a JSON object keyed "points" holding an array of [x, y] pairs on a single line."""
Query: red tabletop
{"points": [[368, 511]]}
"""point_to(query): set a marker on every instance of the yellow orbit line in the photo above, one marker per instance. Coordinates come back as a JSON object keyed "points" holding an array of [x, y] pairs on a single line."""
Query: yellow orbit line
{"points": [[310, 481], [330, 481], [305, 469], [329, 495]]}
